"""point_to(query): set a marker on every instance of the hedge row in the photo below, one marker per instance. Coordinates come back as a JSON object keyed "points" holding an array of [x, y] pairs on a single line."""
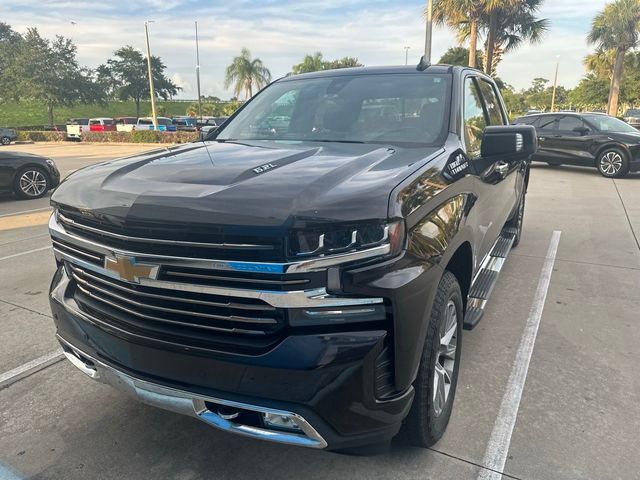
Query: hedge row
{"points": [[141, 136], [26, 136]]}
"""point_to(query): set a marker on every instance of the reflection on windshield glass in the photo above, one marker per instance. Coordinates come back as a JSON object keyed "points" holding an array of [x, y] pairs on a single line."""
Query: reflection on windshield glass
{"points": [[605, 123], [408, 108]]}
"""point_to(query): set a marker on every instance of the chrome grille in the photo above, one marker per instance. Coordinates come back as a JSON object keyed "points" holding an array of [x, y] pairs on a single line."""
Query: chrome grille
{"points": [[175, 314]]}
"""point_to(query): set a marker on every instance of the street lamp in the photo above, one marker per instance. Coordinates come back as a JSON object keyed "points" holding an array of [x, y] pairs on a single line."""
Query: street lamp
{"points": [[152, 91], [406, 55], [198, 74], [555, 84]]}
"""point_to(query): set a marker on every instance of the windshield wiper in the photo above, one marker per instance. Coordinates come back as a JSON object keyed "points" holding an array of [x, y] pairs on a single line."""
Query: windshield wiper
{"points": [[334, 141]]}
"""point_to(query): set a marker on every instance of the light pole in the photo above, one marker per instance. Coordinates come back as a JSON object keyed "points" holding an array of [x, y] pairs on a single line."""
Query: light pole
{"points": [[555, 84], [152, 92], [406, 55], [425, 61], [198, 74]]}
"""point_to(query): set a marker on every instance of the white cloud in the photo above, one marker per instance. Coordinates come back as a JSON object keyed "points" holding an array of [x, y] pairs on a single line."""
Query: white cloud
{"points": [[281, 34]]}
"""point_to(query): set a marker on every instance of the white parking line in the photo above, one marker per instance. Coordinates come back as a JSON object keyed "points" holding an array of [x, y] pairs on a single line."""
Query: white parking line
{"points": [[30, 368], [495, 456], [25, 253], [25, 211]]}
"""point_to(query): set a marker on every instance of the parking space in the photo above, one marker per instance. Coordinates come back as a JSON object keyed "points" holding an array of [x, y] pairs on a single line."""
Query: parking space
{"points": [[577, 417]]}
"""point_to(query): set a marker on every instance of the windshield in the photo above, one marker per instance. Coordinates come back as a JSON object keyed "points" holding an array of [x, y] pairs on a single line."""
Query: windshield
{"points": [[634, 112], [394, 109], [605, 123]]}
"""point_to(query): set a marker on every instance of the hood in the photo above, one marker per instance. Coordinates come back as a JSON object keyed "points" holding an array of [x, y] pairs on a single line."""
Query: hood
{"points": [[629, 138], [256, 183]]}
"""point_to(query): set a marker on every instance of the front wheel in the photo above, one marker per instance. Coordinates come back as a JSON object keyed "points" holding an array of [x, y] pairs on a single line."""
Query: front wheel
{"points": [[5, 140], [31, 182], [613, 163], [435, 384]]}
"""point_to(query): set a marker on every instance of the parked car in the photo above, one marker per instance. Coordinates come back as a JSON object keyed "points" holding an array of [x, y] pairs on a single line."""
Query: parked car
{"points": [[308, 284], [102, 124], [586, 139], [632, 117], [7, 135], [185, 124], [164, 124], [75, 126], [210, 124], [28, 176], [126, 124]]}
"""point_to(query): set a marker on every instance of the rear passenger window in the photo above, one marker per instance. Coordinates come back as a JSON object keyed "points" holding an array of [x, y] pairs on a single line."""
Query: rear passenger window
{"points": [[491, 102], [474, 121], [569, 122], [548, 123]]}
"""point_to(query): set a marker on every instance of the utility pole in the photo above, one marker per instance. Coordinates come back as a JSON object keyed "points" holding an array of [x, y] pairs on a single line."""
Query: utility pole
{"points": [[406, 55], [555, 84], [425, 61], [152, 92], [198, 74]]}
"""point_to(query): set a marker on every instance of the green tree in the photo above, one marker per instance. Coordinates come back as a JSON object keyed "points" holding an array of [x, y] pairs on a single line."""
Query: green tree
{"points": [[315, 63], [616, 28], [462, 15], [125, 77], [9, 42], [310, 63], [590, 93], [460, 56], [48, 71], [245, 72]]}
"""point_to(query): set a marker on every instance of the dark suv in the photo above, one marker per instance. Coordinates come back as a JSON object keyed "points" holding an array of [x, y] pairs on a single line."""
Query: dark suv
{"points": [[302, 275], [586, 139]]}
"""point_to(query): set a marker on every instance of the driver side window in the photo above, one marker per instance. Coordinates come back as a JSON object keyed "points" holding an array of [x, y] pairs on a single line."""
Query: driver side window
{"points": [[474, 117]]}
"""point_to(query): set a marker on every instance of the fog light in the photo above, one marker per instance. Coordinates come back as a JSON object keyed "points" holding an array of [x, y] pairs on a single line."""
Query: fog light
{"points": [[281, 422]]}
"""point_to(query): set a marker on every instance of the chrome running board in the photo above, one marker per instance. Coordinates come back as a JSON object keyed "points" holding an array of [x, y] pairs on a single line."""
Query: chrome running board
{"points": [[487, 277]]}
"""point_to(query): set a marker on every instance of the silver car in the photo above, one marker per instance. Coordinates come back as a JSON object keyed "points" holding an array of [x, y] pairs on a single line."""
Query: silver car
{"points": [[632, 117]]}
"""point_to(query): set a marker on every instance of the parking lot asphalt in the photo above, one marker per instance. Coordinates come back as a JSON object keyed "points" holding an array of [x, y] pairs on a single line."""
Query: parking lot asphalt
{"points": [[577, 417]]}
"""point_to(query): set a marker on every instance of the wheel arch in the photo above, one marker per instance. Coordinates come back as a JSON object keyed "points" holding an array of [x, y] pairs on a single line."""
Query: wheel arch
{"points": [[461, 266]]}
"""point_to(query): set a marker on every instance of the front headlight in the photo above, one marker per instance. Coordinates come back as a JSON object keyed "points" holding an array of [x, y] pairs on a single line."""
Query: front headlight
{"points": [[339, 238]]}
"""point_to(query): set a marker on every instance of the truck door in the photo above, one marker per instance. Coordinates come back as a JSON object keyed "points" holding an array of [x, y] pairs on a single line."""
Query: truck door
{"points": [[496, 182]]}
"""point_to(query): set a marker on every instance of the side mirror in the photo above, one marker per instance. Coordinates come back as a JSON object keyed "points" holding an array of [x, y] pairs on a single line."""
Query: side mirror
{"points": [[582, 130], [509, 142]]}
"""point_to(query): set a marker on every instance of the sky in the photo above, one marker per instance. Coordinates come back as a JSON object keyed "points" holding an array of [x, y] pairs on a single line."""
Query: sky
{"points": [[281, 32]]}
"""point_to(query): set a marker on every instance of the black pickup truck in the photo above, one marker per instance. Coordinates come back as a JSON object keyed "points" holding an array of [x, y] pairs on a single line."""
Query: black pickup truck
{"points": [[303, 275]]}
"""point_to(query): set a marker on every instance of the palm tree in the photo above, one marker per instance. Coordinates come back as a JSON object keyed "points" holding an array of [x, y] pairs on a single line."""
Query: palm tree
{"points": [[515, 23], [310, 63], [455, 13], [245, 73], [617, 28], [601, 62]]}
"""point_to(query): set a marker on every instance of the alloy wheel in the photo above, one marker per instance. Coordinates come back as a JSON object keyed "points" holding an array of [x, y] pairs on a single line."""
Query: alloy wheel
{"points": [[5, 140], [33, 183], [611, 163], [446, 359]]}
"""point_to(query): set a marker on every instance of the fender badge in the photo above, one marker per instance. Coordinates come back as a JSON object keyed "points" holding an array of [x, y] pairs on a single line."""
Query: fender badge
{"points": [[264, 168]]}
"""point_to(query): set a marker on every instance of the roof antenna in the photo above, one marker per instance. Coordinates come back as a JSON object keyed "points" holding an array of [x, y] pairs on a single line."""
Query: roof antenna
{"points": [[425, 60]]}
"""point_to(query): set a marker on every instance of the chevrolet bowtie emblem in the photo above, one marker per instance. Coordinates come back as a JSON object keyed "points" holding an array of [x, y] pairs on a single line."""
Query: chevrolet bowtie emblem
{"points": [[127, 268]]}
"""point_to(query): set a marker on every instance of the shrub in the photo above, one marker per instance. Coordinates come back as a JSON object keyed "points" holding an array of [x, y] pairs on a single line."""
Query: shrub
{"points": [[140, 136], [31, 136]]}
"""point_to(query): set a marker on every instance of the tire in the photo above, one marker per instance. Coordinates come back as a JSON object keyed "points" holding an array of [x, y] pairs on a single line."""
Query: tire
{"points": [[31, 182], [517, 221], [613, 163], [5, 140], [430, 412]]}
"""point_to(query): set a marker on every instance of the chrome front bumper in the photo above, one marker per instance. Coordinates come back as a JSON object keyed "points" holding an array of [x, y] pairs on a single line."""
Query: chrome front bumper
{"points": [[194, 405]]}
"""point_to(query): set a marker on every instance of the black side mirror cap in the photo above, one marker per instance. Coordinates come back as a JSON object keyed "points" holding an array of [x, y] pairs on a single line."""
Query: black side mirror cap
{"points": [[509, 142]]}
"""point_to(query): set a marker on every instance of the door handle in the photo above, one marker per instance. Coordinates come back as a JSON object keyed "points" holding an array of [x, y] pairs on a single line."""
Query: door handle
{"points": [[502, 168]]}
